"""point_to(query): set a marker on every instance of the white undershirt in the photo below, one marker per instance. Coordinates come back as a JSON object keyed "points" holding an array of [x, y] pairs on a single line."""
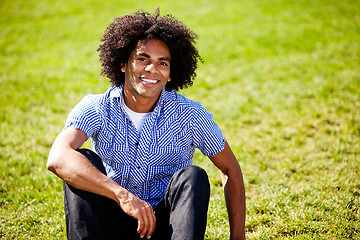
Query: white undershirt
{"points": [[138, 119]]}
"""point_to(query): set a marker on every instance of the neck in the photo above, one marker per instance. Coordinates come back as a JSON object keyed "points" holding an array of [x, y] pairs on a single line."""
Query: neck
{"points": [[139, 104]]}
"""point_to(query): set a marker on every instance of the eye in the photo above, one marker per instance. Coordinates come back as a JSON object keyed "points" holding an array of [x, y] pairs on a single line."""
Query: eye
{"points": [[165, 64], [141, 59]]}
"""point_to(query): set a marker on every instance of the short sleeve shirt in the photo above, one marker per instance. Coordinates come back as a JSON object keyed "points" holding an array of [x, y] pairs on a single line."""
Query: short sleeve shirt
{"points": [[144, 162]]}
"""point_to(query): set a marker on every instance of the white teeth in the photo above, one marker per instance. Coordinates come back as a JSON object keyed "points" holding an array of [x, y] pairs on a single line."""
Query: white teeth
{"points": [[149, 80]]}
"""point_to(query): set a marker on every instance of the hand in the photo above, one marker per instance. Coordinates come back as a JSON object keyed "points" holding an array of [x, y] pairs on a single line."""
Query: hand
{"points": [[140, 210]]}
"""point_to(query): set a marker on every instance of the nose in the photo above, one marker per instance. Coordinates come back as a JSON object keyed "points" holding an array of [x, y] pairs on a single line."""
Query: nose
{"points": [[151, 67]]}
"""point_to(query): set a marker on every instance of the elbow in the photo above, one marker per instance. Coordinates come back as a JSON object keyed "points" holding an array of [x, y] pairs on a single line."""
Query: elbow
{"points": [[55, 166], [59, 166], [50, 165], [54, 163]]}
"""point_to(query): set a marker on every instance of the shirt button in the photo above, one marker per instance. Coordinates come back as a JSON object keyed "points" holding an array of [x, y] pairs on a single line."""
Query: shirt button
{"points": [[138, 167], [135, 187], [136, 144]]}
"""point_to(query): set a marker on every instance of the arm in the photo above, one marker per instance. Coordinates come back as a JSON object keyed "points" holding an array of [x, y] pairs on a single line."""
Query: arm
{"points": [[233, 189], [76, 170]]}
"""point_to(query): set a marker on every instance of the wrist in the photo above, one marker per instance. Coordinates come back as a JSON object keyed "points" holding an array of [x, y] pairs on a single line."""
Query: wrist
{"points": [[121, 195], [115, 191]]}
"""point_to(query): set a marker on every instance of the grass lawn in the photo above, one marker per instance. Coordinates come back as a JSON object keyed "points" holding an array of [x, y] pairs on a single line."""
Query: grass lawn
{"points": [[282, 79]]}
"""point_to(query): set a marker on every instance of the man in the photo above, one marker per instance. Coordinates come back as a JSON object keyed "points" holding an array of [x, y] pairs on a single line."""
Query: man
{"points": [[141, 182]]}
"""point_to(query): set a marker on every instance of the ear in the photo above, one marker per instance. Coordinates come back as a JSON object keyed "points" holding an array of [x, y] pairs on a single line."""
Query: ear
{"points": [[123, 67]]}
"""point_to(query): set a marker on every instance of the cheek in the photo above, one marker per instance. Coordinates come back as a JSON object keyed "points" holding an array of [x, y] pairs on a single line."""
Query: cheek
{"points": [[133, 71], [166, 73]]}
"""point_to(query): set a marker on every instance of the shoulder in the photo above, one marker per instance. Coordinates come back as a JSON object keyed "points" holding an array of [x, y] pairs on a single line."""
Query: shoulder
{"points": [[103, 98], [95, 105], [182, 103], [88, 114], [99, 101]]}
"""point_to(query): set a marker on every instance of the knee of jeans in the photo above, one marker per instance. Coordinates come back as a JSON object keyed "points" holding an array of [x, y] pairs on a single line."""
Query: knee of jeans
{"points": [[93, 158], [196, 174]]}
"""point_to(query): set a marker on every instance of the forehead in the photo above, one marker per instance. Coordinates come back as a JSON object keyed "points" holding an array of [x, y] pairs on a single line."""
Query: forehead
{"points": [[154, 48]]}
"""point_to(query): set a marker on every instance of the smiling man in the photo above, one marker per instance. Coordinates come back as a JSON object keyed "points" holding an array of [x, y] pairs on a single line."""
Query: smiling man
{"points": [[139, 181]]}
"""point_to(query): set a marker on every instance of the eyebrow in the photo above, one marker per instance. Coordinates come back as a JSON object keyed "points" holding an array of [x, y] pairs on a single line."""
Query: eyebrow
{"points": [[148, 56]]}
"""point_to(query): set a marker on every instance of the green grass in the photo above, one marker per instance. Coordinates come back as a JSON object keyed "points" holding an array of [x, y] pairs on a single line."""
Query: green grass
{"points": [[282, 79]]}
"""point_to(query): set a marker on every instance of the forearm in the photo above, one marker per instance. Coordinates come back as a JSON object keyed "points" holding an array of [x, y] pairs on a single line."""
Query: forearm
{"points": [[233, 189], [236, 205], [76, 170]]}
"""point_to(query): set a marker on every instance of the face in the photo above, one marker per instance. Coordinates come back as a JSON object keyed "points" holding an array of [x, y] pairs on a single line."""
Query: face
{"points": [[147, 70]]}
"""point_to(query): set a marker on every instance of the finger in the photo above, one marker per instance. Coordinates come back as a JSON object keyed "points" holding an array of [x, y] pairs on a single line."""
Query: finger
{"points": [[152, 226], [146, 218], [141, 224], [150, 220]]}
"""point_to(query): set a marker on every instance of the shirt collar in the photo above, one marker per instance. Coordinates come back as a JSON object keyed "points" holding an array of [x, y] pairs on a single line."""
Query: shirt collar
{"points": [[116, 92]]}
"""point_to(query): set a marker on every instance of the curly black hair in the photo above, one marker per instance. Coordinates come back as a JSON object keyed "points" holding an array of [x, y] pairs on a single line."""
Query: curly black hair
{"points": [[122, 36]]}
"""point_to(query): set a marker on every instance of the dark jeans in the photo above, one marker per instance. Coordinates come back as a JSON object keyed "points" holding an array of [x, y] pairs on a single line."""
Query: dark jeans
{"points": [[182, 214]]}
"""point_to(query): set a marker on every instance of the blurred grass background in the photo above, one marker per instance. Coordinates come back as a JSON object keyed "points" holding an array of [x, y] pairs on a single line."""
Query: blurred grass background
{"points": [[282, 79]]}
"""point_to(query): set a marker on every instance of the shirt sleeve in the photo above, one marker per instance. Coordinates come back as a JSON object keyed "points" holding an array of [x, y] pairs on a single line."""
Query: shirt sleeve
{"points": [[207, 135], [85, 116]]}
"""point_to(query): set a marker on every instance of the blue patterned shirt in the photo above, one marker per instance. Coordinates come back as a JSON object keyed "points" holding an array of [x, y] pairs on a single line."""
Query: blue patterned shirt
{"points": [[144, 163]]}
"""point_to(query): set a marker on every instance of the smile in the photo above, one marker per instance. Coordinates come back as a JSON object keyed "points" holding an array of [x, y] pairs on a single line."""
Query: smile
{"points": [[149, 80]]}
